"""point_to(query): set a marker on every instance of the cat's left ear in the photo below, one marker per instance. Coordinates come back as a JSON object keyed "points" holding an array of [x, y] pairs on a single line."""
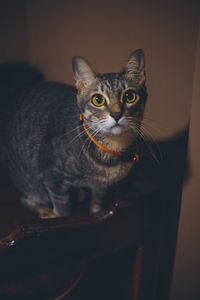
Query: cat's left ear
{"points": [[135, 67], [83, 73]]}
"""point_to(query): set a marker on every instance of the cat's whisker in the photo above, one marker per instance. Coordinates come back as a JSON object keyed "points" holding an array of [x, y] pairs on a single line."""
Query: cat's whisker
{"points": [[148, 140], [91, 129], [76, 137], [81, 150], [82, 132], [87, 139], [74, 129], [156, 124], [94, 134], [153, 141], [154, 121], [84, 144], [153, 127], [146, 124], [69, 132]]}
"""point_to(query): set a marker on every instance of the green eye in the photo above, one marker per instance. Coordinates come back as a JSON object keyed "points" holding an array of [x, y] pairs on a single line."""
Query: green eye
{"points": [[129, 96], [98, 100]]}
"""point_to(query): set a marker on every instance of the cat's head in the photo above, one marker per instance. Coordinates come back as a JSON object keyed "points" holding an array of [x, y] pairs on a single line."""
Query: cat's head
{"points": [[112, 103]]}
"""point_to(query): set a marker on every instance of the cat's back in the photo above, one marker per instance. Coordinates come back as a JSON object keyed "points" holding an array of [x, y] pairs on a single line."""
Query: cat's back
{"points": [[42, 112], [47, 97], [40, 103]]}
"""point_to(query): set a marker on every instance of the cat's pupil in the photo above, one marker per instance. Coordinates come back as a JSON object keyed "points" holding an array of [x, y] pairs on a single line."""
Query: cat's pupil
{"points": [[98, 99], [129, 95]]}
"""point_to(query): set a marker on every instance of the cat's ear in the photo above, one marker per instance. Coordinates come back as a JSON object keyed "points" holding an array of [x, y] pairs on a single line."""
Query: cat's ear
{"points": [[83, 73], [135, 67]]}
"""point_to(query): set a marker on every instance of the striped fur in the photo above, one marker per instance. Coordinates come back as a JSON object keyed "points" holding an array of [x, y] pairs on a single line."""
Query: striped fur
{"points": [[46, 150]]}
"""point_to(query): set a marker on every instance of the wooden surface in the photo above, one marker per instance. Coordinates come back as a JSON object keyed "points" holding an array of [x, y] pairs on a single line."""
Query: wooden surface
{"points": [[32, 249], [126, 252]]}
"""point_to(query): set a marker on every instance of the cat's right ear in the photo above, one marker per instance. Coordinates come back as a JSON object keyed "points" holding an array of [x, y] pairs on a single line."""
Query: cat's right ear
{"points": [[135, 67], [83, 73]]}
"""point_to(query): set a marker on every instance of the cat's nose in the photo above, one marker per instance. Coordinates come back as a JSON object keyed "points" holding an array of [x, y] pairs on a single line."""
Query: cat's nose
{"points": [[116, 115]]}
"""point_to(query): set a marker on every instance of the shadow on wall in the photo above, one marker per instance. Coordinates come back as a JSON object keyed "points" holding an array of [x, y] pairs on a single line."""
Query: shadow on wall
{"points": [[163, 167], [15, 76]]}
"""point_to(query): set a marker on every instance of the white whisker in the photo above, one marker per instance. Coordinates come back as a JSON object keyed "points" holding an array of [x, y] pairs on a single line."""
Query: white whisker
{"points": [[147, 138]]}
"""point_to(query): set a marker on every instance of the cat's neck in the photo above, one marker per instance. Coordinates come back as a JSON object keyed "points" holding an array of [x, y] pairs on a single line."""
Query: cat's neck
{"points": [[119, 142]]}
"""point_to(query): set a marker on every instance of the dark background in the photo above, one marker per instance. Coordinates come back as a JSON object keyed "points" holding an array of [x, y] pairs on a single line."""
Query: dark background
{"points": [[48, 33]]}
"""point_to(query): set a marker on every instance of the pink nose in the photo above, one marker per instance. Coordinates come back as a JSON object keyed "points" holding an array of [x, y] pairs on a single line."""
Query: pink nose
{"points": [[116, 115]]}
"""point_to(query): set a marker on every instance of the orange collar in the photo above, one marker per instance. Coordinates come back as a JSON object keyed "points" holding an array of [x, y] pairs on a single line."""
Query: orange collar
{"points": [[135, 157]]}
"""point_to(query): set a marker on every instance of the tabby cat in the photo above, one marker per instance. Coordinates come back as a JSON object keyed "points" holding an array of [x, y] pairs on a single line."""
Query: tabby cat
{"points": [[58, 136]]}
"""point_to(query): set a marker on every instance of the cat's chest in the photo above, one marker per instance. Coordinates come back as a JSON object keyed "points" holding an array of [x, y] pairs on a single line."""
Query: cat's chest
{"points": [[107, 175], [104, 171], [115, 173]]}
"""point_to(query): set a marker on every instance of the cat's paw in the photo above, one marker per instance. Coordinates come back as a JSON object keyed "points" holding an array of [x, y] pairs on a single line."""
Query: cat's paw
{"points": [[95, 208], [46, 213], [43, 212]]}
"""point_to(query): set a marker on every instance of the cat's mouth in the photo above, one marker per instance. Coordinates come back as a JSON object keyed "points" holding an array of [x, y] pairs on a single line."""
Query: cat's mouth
{"points": [[117, 128], [116, 125]]}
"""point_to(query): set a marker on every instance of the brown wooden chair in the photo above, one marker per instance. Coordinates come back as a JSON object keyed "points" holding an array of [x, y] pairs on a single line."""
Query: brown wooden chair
{"points": [[125, 252]]}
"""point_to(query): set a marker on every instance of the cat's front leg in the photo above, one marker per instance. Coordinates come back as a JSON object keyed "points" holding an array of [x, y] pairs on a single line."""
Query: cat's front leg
{"points": [[97, 200], [61, 205], [39, 207], [58, 191]]}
